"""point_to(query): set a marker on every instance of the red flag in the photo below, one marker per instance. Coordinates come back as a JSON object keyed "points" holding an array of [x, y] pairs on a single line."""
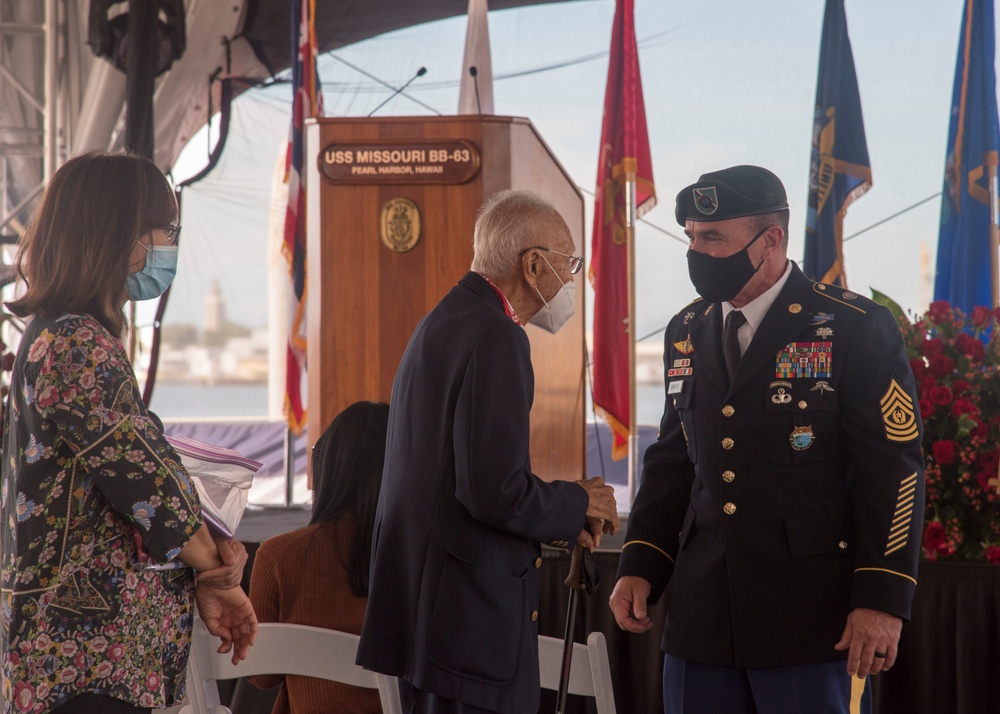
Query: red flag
{"points": [[307, 102], [624, 151]]}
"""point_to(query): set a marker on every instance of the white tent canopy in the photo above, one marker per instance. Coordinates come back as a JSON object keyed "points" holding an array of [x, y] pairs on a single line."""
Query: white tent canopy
{"points": [[57, 98]]}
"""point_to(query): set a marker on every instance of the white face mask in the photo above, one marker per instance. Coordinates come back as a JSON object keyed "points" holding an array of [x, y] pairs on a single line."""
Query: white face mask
{"points": [[556, 312]]}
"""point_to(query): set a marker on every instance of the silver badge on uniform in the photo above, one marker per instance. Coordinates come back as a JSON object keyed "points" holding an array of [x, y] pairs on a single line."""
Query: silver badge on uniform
{"points": [[783, 395]]}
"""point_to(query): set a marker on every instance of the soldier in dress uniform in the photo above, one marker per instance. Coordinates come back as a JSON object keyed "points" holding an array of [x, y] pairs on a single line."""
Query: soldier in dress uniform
{"points": [[781, 505]]}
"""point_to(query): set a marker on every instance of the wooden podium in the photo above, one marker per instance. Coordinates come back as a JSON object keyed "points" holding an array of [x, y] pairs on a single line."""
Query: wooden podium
{"points": [[391, 207]]}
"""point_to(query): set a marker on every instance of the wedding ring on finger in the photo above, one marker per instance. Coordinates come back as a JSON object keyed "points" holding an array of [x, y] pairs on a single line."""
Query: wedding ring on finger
{"points": [[881, 655]]}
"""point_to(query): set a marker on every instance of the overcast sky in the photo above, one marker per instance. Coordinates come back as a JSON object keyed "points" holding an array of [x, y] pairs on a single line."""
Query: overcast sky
{"points": [[726, 82]]}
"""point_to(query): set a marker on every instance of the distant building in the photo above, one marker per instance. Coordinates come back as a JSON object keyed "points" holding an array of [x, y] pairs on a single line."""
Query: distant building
{"points": [[239, 359], [214, 317]]}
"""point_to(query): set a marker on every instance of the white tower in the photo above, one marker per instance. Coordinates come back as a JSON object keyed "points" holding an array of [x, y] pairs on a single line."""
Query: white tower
{"points": [[214, 315]]}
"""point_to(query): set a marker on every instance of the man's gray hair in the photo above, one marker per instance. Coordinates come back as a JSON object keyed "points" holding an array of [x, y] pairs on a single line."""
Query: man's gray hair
{"points": [[775, 218], [509, 222]]}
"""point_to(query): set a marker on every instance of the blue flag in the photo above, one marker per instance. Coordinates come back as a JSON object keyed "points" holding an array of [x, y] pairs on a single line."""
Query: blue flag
{"points": [[840, 170], [964, 257]]}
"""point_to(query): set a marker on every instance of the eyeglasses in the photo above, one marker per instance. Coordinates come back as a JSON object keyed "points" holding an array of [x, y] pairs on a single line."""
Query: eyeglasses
{"points": [[171, 231], [575, 262]]}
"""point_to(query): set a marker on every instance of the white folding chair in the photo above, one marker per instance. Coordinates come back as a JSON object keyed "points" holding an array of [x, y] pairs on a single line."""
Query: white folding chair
{"points": [[280, 649], [589, 672]]}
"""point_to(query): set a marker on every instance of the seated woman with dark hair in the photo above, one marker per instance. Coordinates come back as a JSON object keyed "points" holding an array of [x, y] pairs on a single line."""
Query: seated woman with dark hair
{"points": [[318, 575]]}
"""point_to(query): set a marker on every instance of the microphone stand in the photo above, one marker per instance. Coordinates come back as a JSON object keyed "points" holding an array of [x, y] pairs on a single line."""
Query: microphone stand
{"points": [[420, 73], [475, 83]]}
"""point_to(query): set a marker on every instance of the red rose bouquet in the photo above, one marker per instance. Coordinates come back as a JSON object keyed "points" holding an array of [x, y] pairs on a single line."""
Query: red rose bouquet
{"points": [[956, 363]]}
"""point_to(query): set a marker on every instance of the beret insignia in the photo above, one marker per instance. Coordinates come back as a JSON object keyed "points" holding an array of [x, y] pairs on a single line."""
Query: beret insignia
{"points": [[706, 200]]}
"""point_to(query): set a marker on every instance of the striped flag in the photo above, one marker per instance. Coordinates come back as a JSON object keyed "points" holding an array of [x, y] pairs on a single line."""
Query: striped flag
{"points": [[840, 171], [965, 256], [624, 153], [307, 102]]}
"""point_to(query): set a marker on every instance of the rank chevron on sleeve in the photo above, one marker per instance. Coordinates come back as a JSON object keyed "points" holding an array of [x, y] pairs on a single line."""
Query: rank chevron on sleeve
{"points": [[899, 532], [898, 415]]}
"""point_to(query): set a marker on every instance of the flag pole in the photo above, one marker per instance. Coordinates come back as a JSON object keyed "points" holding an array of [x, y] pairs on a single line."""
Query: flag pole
{"points": [[630, 166], [991, 172]]}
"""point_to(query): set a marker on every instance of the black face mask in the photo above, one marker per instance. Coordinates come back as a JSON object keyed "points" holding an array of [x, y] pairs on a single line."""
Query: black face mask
{"points": [[721, 279]]}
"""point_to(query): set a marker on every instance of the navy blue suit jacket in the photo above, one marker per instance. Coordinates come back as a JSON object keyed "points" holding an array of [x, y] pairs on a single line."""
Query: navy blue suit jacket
{"points": [[455, 573]]}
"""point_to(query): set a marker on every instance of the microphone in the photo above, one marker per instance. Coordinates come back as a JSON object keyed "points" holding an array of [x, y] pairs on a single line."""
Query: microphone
{"points": [[475, 83], [420, 73]]}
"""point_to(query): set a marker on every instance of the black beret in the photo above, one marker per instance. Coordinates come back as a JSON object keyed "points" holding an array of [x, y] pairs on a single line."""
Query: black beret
{"points": [[731, 193]]}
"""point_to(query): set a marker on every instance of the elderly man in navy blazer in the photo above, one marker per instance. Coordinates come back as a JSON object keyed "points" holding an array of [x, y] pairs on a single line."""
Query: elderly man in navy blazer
{"points": [[455, 580], [783, 501]]}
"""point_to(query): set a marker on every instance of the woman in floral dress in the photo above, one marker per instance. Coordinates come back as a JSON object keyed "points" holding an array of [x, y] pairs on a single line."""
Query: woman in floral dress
{"points": [[92, 494]]}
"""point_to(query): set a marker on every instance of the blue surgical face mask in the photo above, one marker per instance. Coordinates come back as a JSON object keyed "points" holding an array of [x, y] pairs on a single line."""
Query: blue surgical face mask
{"points": [[156, 275]]}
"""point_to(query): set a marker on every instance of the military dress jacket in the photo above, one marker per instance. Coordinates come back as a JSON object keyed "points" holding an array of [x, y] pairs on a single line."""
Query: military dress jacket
{"points": [[455, 574], [775, 505]]}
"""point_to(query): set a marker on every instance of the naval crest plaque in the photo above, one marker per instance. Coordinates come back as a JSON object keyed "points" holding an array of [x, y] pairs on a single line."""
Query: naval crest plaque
{"points": [[400, 225]]}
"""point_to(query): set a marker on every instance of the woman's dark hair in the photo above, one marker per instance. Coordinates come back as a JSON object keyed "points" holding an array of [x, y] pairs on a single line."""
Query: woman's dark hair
{"points": [[347, 474], [74, 255]]}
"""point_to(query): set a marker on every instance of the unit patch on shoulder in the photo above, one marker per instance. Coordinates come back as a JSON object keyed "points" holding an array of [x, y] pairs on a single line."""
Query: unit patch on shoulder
{"points": [[898, 415]]}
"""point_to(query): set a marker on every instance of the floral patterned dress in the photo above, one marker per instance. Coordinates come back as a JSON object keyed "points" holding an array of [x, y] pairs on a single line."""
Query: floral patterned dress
{"points": [[92, 495]]}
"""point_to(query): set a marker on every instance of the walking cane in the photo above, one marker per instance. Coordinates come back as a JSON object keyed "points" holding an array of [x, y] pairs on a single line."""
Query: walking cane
{"points": [[583, 575]]}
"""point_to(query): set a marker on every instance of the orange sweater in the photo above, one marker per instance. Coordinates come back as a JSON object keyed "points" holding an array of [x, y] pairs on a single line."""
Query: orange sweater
{"points": [[301, 578]]}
